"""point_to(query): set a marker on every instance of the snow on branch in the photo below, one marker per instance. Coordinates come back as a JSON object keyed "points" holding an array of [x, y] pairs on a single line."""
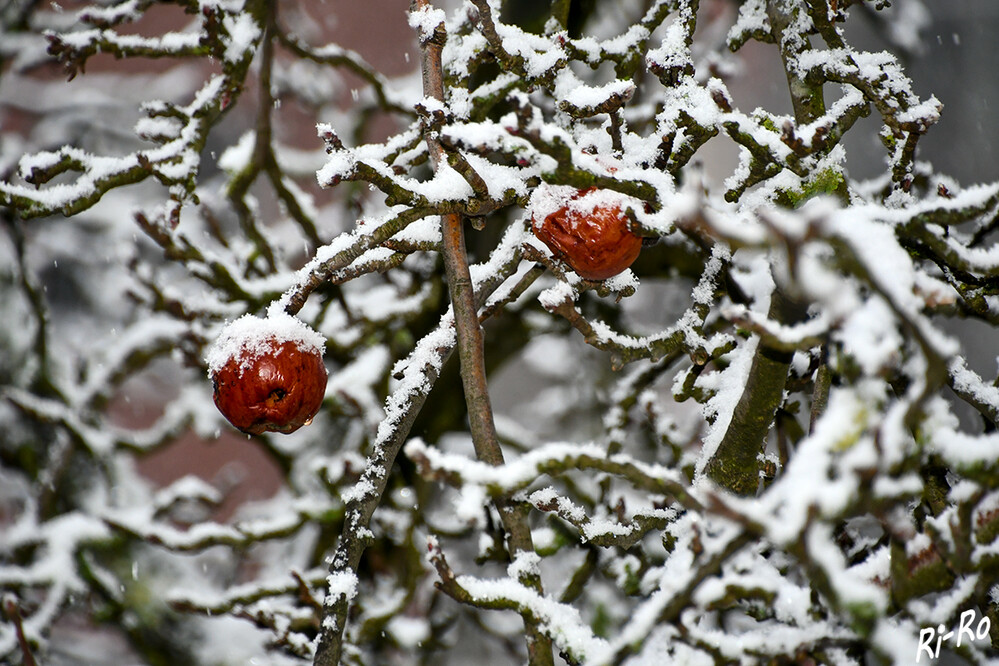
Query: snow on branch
{"points": [[765, 432]]}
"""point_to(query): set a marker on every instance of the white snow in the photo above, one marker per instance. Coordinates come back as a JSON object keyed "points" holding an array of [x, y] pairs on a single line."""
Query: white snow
{"points": [[425, 20], [243, 33], [250, 336]]}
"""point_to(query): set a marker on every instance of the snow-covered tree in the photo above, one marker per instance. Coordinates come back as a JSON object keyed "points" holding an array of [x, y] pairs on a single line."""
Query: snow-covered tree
{"points": [[728, 419]]}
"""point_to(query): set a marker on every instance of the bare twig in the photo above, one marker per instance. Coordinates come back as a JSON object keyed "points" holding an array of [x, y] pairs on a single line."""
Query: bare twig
{"points": [[13, 613]]}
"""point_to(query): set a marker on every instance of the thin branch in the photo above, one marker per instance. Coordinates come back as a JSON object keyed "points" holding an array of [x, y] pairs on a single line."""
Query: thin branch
{"points": [[295, 298], [406, 401], [336, 56], [13, 613], [42, 382], [243, 595], [470, 348]]}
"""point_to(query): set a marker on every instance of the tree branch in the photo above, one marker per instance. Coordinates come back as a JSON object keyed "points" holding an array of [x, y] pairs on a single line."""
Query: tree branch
{"points": [[734, 464], [470, 348], [406, 402]]}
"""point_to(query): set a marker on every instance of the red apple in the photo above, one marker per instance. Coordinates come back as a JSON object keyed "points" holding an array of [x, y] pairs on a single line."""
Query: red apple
{"points": [[267, 380], [589, 232]]}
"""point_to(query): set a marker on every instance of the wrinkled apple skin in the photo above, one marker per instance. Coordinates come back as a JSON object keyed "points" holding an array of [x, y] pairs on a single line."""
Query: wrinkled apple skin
{"points": [[597, 246], [279, 391]]}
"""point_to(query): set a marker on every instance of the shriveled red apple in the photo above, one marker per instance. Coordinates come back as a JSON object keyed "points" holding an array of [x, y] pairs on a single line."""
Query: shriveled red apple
{"points": [[268, 374], [587, 229]]}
